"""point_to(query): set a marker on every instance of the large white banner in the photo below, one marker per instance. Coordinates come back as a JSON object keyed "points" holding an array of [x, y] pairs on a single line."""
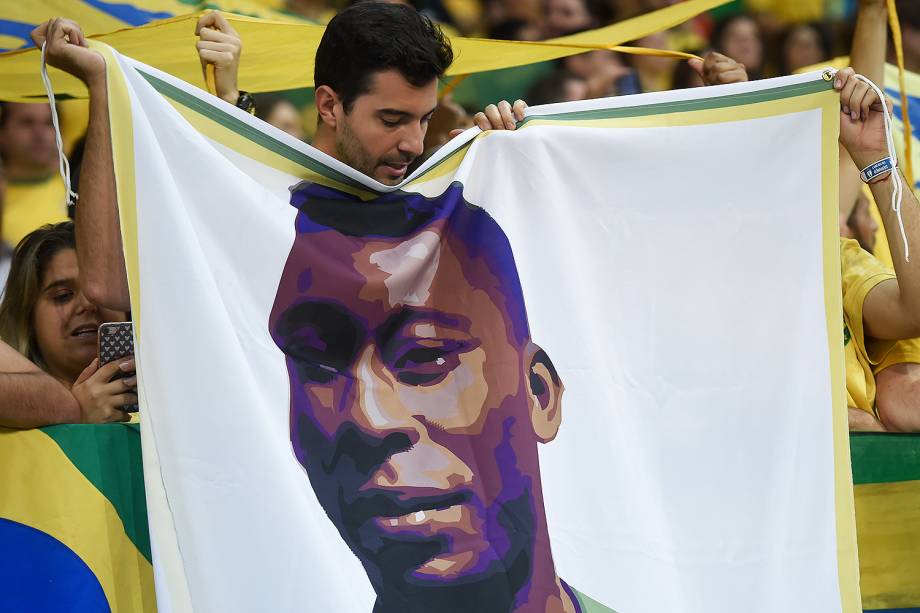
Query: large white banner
{"points": [[592, 364]]}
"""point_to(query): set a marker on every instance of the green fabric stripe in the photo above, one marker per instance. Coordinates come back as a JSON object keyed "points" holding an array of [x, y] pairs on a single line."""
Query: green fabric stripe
{"points": [[109, 456], [246, 131], [680, 106], [884, 458]]}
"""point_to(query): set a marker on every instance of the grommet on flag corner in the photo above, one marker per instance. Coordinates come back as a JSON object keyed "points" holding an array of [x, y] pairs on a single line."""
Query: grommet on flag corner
{"points": [[828, 74]]}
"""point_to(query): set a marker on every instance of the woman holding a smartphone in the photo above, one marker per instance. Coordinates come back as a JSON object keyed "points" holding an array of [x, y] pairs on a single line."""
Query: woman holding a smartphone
{"points": [[47, 319]]}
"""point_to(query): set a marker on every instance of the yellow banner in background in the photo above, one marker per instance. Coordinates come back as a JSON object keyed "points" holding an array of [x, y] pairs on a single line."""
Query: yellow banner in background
{"points": [[17, 19], [278, 54]]}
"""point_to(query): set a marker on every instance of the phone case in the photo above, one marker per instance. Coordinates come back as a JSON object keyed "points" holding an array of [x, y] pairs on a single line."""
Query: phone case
{"points": [[116, 340]]}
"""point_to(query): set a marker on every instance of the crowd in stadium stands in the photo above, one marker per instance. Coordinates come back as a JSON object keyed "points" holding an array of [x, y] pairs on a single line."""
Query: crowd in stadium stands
{"points": [[59, 279]]}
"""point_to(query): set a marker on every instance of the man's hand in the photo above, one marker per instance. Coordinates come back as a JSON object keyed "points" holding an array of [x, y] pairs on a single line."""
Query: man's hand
{"points": [[100, 397], [862, 120], [220, 46], [67, 49], [501, 116], [718, 69]]}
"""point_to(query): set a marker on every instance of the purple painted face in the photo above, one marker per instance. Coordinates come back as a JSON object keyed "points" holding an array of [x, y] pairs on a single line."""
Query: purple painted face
{"points": [[415, 408]]}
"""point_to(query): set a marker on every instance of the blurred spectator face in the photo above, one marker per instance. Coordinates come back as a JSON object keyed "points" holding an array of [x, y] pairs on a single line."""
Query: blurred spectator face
{"points": [[653, 63], [741, 42], [861, 225], [447, 117], [574, 89], [285, 116], [911, 43], [599, 69], [565, 17], [500, 11], [560, 86], [65, 322], [27, 138], [803, 47], [2, 195]]}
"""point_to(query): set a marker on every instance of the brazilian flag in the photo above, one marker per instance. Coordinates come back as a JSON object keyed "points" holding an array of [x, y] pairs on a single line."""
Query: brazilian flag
{"points": [[73, 521]]}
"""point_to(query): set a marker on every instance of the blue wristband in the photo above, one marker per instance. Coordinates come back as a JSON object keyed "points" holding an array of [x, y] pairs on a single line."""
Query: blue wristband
{"points": [[883, 166]]}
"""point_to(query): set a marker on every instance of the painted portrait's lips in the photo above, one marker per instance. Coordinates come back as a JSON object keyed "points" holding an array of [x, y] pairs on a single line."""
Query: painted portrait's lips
{"points": [[384, 508]]}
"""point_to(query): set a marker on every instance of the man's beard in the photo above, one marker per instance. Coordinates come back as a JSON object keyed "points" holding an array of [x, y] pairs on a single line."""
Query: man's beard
{"points": [[352, 152]]}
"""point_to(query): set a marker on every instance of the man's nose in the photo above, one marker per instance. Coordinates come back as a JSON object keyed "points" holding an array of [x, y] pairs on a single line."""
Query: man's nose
{"points": [[413, 140]]}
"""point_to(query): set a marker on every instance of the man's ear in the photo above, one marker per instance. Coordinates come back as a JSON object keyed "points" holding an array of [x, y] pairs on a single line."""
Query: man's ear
{"points": [[545, 391], [326, 102]]}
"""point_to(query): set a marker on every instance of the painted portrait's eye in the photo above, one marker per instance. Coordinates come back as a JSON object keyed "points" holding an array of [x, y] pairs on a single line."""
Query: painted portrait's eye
{"points": [[424, 365]]}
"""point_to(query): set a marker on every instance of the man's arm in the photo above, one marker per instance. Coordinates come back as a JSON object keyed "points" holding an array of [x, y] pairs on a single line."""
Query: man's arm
{"points": [[867, 57], [99, 249], [891, 310], [30, 397]]}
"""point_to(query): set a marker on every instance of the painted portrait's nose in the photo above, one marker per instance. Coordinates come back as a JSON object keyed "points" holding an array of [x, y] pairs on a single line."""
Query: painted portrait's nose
{"points": [[397, 446]]}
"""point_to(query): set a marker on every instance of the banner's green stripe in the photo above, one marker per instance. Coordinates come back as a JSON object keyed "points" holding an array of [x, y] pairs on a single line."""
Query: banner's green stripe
{"points": [[117, 474], [246, 131], [681, 106], [884, 458]]}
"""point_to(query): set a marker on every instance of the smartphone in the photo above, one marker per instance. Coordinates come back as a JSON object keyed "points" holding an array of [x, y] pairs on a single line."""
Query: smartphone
{"points": [[116, 341]]}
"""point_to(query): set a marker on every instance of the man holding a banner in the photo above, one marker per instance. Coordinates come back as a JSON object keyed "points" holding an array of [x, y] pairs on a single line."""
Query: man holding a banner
{"points": [[442, 506]]}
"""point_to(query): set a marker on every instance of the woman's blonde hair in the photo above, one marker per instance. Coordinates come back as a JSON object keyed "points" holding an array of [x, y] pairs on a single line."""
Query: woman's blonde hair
{"points": [[23, 286]]}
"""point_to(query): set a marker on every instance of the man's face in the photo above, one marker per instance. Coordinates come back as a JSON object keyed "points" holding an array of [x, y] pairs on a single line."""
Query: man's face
{"points": [[27, 137], [384, 130], [411, 410]]}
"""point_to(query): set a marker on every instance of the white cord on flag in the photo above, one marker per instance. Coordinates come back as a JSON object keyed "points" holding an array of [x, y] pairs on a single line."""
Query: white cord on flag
{"points": [[897, 194], [70, 196]]}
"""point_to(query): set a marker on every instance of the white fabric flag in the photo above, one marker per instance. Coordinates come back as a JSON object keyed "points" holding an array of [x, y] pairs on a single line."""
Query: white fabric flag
{"points": [[592, 364]]}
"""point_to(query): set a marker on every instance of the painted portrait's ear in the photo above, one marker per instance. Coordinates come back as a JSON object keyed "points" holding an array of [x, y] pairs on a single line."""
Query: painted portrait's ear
{"points": [[326, 101], [545, 396]]}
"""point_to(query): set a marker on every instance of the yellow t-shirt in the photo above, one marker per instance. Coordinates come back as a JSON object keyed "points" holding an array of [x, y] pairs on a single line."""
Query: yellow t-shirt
{"points": [[30, 204], [866, 357]]}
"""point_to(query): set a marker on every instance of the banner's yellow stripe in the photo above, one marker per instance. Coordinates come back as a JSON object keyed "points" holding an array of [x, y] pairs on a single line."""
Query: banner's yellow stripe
{"points": [[888, 520], [170, 46], [39, 483]]}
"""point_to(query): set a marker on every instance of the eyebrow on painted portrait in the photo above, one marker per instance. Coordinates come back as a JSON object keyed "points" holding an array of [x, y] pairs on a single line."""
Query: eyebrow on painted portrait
{"points": [[419, 346]]}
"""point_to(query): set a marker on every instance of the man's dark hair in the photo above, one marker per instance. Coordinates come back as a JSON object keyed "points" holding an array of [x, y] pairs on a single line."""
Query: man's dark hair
{"points": [[371, 37]]}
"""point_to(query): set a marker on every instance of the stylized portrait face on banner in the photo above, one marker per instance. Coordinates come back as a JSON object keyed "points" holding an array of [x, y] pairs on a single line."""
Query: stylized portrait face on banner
{"points": [[418, 399]]}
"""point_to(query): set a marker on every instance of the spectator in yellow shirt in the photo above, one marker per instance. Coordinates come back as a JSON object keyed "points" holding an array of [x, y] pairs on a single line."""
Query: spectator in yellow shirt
{"points": [[34, 190]]}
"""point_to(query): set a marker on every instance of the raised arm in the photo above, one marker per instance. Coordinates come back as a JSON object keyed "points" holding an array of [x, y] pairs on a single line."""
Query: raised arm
{"points": [[892, 309], [30, 397], [867, 57], [99, 248]]}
